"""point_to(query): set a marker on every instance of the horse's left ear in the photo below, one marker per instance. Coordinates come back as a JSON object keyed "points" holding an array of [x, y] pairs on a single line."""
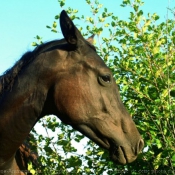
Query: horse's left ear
{"points": [[91, 39], [69, 30]]}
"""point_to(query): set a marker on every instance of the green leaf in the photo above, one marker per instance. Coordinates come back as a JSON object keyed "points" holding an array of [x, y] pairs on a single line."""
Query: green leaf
{"points": [[173, 158], [158, 143], [100, 153], [54, 24], [172, 93]]}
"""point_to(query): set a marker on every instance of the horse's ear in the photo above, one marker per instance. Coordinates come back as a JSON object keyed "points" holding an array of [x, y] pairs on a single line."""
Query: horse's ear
{"points": [[70, 32], [91, 39]]}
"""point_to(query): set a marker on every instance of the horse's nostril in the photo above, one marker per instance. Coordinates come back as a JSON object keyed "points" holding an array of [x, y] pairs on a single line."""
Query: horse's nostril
{"points": [[140, 145]]}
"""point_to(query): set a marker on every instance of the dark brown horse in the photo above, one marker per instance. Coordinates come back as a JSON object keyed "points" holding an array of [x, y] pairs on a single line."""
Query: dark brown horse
{"points": [[68, 79]]}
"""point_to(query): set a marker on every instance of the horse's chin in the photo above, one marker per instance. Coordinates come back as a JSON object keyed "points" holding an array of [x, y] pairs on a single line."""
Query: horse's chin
{"points": [[119, 156]]}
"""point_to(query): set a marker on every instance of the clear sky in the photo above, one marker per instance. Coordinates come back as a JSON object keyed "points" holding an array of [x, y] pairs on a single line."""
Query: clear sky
{"points": [[22, 20]]}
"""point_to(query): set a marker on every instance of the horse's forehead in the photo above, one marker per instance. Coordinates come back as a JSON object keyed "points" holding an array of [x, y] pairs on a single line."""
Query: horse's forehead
{"points": [[87, 60], [96, 63], [93, 59]]}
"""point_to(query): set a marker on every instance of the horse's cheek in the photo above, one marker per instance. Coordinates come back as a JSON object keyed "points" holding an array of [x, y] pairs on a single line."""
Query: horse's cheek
{"points": [[68, 100]]}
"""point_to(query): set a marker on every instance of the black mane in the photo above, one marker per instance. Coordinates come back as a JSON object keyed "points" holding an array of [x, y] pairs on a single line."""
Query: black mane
{"points": [[7, 79]]}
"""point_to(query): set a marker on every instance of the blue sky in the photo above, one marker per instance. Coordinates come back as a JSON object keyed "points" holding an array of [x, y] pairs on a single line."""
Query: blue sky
{"points": [[22, 20]]}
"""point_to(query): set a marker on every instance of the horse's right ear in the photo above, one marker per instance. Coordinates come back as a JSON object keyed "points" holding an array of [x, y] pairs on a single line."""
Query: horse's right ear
{"points": [[70, 32]]}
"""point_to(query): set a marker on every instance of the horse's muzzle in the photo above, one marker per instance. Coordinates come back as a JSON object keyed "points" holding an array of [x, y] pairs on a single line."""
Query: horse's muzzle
{"points": [[123, 155]]}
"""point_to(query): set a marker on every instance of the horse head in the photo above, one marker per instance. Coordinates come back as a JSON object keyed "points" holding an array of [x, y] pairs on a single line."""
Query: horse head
{"points": [[87, 98]]}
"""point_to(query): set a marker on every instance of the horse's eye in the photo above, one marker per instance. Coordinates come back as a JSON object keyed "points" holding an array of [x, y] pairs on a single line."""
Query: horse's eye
{"points": [[105, 80]]}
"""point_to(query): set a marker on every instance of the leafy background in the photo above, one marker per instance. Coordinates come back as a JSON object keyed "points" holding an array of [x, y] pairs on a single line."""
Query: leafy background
{"points": [[141, 54]]}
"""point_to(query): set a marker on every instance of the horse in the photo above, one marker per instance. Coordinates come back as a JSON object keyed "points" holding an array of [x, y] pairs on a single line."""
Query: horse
{"points": [[66, 78]]}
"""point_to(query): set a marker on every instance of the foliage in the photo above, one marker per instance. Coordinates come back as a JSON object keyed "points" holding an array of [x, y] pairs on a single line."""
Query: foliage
{"points": [[141, 54]]}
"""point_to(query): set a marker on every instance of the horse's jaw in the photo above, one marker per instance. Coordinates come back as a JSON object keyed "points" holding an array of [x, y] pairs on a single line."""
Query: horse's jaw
{"points": [[87, 131]]}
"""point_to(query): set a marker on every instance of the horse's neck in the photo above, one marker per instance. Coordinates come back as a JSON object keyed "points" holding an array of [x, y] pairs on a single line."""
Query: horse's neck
{"points": [[21, 107]]}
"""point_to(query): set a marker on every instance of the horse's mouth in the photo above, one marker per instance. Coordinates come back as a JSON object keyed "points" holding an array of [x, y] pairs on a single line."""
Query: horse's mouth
{"points": [[117, 153]]}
